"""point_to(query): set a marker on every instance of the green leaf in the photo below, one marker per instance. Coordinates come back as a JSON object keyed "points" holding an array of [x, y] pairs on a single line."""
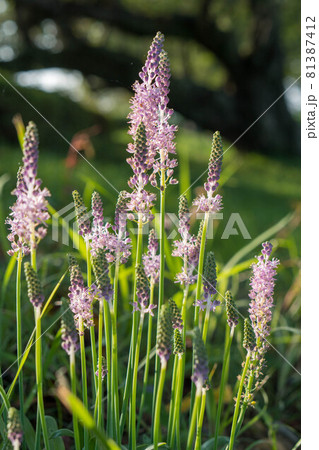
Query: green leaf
{"points": [[4, 397], [209, 445], [151, 447], [57, 442], [28, 433], [62, 432]]}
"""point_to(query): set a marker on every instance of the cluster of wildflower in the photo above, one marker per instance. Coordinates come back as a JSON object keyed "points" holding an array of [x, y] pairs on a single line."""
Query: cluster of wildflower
{"points": [[116, 245], [164, 335], [14, 428], [101, 272], [165, 132], [29, 213], [187, 247], [140, 201], [200, 368], [142, 293], [35, 292], [69, 335], [211, 203], [81, 297], [103, 368], [99, 235], [209, 285], [150, 107], [262, 288], [119, 242], [151, 260]]}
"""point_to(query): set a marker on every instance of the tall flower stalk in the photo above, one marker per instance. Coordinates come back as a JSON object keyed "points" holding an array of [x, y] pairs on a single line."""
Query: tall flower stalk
{"points": [[177, 384], [150, 107], [36, 297], [151, 263], [200, 380], [81, 299], [84, 225], [163, 350], [232, 321], [261, 294], [70, 343], [27, 224], [105, 293], [207, 204]]}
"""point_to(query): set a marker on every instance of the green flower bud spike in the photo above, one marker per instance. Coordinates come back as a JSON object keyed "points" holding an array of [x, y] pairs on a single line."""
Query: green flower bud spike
{"points": [[232, 317], [82, 215], [249, 341], [178, 343], [35, 292], [177, 321], [164, 335]]}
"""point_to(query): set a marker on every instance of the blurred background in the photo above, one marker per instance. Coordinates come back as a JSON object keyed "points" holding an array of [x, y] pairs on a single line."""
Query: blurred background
{"points": [[75, 61]]}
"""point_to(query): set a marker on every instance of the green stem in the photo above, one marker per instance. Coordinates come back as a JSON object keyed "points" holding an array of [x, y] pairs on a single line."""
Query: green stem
{"points": [[38, 369], [114, 377], [161, 278], [238, 401], [206, 321], [158, 404], [179, 390], [198, 439], [134, 382], [173, 400], [176, 406], [223, 383], [100, 387], [128, 380], [92, 333], [108, 365], [147, 357], [199, 288], [200, 268], [84, 378], [245, 404], [192, 426], [19, 334], [73, 387]]}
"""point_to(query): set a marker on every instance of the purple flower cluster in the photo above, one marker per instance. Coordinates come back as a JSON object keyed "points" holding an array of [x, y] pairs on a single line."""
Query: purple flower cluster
{"points": [[151, 260], [29, 213], [262, 289], [117, 245], [150, 107], [81, 297], [211, 203], [103, 368], [140, 201], [187, 247], [99, 234], [14, 428]]}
